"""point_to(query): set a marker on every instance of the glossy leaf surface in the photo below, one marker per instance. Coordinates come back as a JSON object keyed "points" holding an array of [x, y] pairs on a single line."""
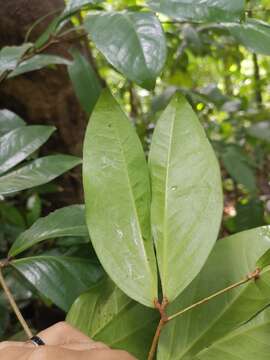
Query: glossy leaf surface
{"points": [[186, 196], [9, 121], [84, 80], [38, 62], [253, 34], [18, 144], [249, 342], [106, 314], [38, 172], [10, 55], [67, 221], [230, 261], [132, 42], [59, 278], [200, 10], [117, 197]]}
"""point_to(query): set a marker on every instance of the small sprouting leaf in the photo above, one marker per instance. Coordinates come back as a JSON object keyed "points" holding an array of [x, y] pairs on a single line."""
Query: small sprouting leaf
{"points": [[117, 198], [186, 196], [67, 221]]}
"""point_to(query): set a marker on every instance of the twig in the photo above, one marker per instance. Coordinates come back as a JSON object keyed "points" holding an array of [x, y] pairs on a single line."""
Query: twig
{"points": [[13, 304], [253, 275]]}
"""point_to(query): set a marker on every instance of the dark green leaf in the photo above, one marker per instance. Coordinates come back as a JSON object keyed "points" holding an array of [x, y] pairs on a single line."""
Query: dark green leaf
{"points": [[239, 167], [231, 260], [37, 172], [200, 10], [106, 314], [18, 144], [186, 196], [61, 279], [68, 221], [117, 197], [132, 42], [84, 80]]}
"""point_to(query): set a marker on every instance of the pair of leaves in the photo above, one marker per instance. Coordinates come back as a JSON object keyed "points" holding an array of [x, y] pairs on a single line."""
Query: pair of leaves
{"points": [[230, 261], [186, 199], [16, 145], [106, 314]]}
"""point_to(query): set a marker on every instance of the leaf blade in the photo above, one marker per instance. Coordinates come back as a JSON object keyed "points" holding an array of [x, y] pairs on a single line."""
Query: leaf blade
{"points": [[117, 196], [186, 194]]}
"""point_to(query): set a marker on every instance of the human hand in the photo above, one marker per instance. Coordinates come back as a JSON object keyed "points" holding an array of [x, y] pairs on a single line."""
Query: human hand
{"points": [[63, 342]]}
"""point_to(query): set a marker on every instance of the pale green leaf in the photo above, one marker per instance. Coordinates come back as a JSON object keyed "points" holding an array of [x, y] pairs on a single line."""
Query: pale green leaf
{"points": [[117, 197], [186, 196], [18, 144], [67, 221], [232, 259], [132, 42], [11, 55], [106, 314], [38, 172], [249, 342], [59, 278]]}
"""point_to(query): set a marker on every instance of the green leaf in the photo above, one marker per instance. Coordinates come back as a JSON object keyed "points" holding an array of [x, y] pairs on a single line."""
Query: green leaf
{"points": [[67, 221], [18, 144], [200, 10], [106, 314], [61, 279], [239, 167], [249, 342], [117, 197], [253, 34], [9, 121], [38, 62], [186, 196], [76, 5], [132, 42], [10, 55], [38, 172], [260, 130], [231, 260], [84, 81]]}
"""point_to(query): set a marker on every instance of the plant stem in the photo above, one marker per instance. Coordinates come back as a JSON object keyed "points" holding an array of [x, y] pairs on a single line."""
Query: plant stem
{"points": [[14, 305], [155, 340], [250, 277]]}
